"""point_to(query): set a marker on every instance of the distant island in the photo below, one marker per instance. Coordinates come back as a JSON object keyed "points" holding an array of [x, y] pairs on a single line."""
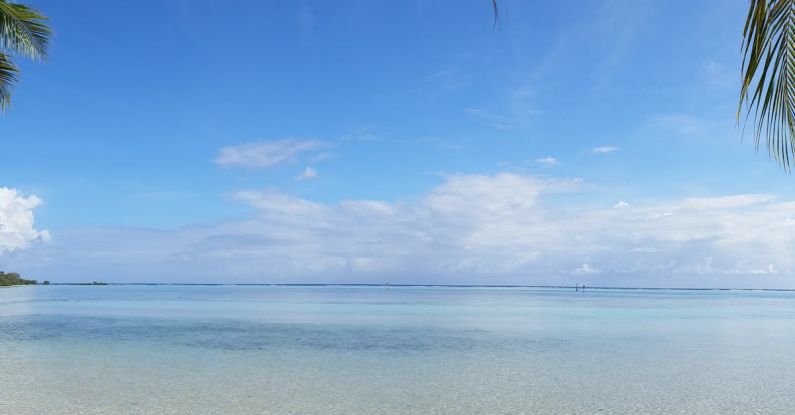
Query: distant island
{"points": [[13, 278]]}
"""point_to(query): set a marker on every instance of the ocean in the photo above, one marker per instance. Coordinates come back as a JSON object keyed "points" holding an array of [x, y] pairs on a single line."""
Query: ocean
{"points": [[225, 349]]}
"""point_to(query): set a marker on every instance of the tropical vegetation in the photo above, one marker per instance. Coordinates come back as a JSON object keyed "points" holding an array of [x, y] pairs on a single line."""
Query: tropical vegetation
{"points": [[767, 94], [13, 278], [23, 32]]}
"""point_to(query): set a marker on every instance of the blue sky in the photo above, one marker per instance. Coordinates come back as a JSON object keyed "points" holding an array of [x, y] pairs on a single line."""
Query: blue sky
{"points": [[404, 141]]}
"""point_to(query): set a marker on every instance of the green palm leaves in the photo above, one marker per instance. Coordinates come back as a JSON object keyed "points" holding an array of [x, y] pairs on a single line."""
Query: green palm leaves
{"points": [[23, 31], [768, 84]]}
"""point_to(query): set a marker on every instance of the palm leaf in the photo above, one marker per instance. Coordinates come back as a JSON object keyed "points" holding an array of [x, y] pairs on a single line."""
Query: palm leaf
{"points": [[23, 30], [8, 78], [768, 84], [496, 13]]}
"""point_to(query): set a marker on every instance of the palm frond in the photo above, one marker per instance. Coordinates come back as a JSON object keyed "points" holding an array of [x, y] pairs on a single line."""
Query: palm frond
{"points": [[496, 13], [767, 93], [23, 30], [8, 78]]}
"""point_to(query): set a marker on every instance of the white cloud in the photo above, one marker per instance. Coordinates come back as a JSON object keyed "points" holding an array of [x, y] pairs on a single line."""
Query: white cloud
{"points": [[266, 153], [499, 228], [308, 174], [603, 149], [272, 201], [620, 204], [585, 269], [17, 229], [727, 202], [548, 161]]}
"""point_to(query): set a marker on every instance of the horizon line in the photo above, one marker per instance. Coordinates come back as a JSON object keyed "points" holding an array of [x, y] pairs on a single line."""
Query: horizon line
{"points": [[587, 287]]}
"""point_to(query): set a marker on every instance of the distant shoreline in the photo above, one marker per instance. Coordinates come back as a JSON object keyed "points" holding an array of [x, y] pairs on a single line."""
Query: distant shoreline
{"points": [[561, 287]]}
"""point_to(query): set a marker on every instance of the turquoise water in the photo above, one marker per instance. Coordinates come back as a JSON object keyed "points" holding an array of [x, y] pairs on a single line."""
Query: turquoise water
{"points": [[366, 350]]}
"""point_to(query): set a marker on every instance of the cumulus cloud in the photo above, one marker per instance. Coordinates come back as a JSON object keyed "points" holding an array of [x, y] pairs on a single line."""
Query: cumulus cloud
{"points": [[603, 149], [266, 153], [17, 229], [308, 174], [501, 228]]}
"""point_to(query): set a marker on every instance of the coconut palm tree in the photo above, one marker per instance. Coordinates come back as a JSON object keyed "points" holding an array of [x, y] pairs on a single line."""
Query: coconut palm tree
{"points": [[24, 32], [767, 94]]}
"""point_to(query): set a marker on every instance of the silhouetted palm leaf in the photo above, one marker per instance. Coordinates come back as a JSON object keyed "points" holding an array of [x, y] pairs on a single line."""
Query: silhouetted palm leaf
{"points": [[496, 12], [768, 83]]}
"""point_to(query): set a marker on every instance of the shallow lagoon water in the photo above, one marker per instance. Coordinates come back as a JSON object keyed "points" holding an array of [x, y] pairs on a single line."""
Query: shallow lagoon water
{"points": [[345, 350]]}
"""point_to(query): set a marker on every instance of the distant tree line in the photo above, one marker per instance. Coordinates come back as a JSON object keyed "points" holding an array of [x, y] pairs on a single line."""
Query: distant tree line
{"points": [[13, 278]]}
